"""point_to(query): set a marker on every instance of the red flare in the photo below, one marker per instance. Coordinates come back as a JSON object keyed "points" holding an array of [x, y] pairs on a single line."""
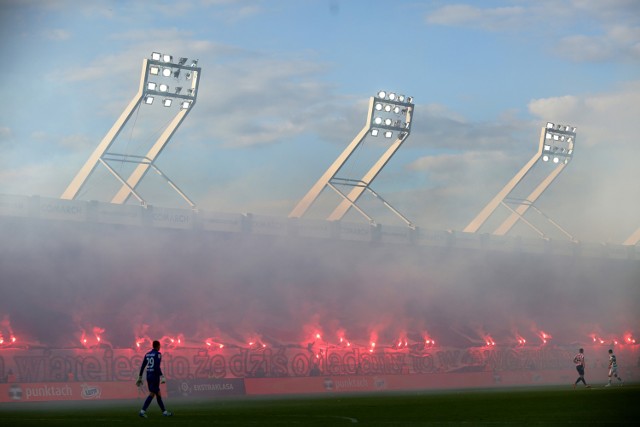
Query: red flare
{"points": [[489, 341]]}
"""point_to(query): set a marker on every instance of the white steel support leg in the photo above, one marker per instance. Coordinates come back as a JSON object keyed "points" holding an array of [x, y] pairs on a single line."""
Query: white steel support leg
{"points": [[357, 191], [633, 239], [140, 171], [488, 210], [305, 203], [356, 207], [85, 172], [122, 181], [520, 210]]}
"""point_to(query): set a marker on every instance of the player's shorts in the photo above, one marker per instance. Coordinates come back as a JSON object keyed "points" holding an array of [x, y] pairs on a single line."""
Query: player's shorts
{"points": [[580, 370], [153, 383], [613, 371]]}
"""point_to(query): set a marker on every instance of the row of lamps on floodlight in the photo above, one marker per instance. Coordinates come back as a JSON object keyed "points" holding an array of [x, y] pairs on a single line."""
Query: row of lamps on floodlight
{"points": [[170, 70], [391, 103], [558, 143]]}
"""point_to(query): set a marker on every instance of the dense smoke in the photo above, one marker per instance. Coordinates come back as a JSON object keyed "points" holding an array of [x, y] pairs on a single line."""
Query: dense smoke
{"points": [[60, 280]]}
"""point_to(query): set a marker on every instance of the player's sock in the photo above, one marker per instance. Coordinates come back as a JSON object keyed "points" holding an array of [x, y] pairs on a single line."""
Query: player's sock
{"points": [[161, 403], [147, 403]]}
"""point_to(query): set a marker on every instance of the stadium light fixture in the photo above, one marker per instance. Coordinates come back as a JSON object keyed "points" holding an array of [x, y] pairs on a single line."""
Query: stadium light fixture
{"points": [[383, 117], [162, 68], [556, 147]]}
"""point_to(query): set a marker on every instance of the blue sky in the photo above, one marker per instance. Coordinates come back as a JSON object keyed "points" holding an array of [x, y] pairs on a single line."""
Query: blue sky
{"points": [[284, 89]]}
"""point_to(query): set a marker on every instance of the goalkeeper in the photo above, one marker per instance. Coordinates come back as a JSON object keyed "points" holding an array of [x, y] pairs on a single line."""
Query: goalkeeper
{"points": [[154, 377]]}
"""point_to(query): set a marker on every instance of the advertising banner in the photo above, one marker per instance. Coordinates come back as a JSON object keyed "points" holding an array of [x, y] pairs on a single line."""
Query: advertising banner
{"points": [[14, 205], [116, 214], [355, 231], [206, 387], [262, 224], [59, 209], [170, 218], [391, 234], [359, 384], [229, 222], [434, 238], [89, 390], [105, 364], [317, 228]]}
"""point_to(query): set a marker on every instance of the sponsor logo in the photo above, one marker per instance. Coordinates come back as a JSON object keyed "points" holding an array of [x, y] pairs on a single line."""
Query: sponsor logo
{"points": [[165, 217], [185, 388], [212, 387], [90, 392], [15, 392], [328, 384], [70, 210], [47, 391], [352, 384]]}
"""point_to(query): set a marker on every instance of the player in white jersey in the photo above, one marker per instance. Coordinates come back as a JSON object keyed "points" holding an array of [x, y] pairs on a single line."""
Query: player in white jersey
{"points": [[613, 368]]}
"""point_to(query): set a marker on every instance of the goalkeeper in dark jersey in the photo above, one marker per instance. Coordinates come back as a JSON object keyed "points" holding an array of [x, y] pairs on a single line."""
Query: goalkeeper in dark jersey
{"points": [[152, 361]]}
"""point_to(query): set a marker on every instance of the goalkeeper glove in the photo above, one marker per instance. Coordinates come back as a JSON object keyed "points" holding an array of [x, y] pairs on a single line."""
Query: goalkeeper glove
{"points": [[162, 379], [139, 381]]}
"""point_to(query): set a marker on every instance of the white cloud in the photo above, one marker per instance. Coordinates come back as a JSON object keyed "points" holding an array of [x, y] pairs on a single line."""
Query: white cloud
{"points": [[613, 32], [58, 34], [602, 119], [5, 133], [494, 19], [256, 100], [616, 43], [76, 142]]}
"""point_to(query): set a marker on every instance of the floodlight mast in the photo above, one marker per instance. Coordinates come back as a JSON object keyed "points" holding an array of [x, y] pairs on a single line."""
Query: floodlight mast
{"points": [[85, 172], [147, 91], [384, 104], [556, 146]]}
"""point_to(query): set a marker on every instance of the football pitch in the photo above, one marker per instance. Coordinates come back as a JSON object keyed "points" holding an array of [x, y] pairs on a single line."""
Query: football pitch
{"points": [[547, 406]]}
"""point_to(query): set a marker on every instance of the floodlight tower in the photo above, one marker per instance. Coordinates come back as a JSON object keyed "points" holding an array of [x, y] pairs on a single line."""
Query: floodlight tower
{"points": [[633, 239], [157, 74], [556, 147], [389, 116]]}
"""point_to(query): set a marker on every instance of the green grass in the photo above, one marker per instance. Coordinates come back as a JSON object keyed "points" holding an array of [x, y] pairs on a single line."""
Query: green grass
{"points": [[548, 406]]}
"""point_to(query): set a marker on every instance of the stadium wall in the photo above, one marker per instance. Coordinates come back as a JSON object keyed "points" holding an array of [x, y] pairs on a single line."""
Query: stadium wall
{"points": [[52, 209], [102, 374]]}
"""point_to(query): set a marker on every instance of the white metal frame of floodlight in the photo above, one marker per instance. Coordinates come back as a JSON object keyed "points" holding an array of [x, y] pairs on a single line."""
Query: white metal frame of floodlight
{"points": [[556, 147], [389, 115], [162, 70], [633, 239]]}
